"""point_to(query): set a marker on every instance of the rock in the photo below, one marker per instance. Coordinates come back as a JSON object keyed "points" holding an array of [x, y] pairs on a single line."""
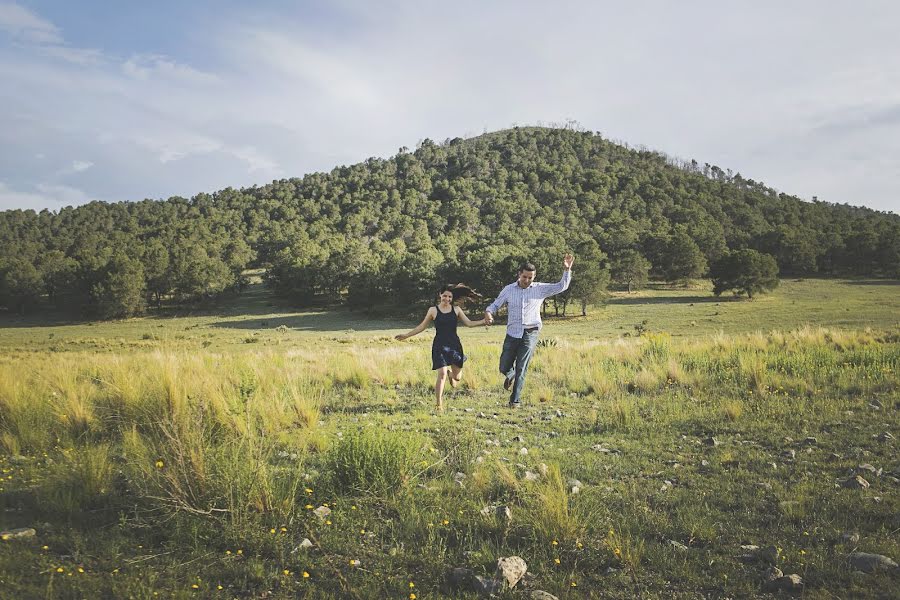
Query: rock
{"points": [[863, 561], [769, 554], [678, 545], [523, 451], [810, 441], [518, 439], [543, 469], [867, 468], [21, 533], [850, 538], [459, 478], [304, 545], [773, 573], [711, 441], [834, 457], [787, 583], [750, 553], [704, 463], [322, 512], [559, 413], [466, 580], [789, 454], [510, 570], [855, 482], [541, 595], [529, 476]]}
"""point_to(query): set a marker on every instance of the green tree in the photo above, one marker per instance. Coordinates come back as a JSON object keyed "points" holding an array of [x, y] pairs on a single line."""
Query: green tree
{"points": [[120, 293], [681, 258], [21, 285], [630, 269], [590, 277], [745, 271]]}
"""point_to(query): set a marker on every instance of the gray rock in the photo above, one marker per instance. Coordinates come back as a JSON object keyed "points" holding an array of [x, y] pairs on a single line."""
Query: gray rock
{"points": [[541, 595], [867, 468], [850, 538], [786, 583], [529, 476], [20, 533], [523, 451], [466, 580], [855, 482], [773, 573], [322, 512], [789, 454], [678, 545], [510, 570], [863, 561]]}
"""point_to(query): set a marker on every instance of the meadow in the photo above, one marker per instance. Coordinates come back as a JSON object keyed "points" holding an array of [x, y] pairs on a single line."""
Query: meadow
{"points": [[673, 445]]}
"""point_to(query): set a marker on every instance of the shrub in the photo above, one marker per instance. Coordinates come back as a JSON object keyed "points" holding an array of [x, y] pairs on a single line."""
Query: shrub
{"points": [[376, 462]]}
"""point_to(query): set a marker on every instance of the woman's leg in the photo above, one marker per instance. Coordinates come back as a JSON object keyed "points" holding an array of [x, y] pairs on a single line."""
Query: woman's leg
{"points": [[439, 387], [455, 375]]}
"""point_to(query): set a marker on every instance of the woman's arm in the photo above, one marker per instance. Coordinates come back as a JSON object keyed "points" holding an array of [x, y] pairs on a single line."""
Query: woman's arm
{"points": [[429, 316], [466, 321]]}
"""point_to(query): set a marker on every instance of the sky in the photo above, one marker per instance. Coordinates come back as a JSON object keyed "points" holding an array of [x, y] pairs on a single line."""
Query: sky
{"points": [[127, 100]]}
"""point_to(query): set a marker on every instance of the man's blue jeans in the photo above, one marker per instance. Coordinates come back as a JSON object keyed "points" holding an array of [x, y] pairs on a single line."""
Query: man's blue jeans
{"points": [[514, 360]]}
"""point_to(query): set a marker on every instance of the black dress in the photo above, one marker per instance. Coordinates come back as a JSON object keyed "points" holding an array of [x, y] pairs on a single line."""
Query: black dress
{"points": [[446, 349]]}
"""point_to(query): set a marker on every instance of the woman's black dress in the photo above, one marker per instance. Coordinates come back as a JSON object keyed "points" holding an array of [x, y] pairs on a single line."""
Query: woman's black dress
{"points": [[446, 349]]}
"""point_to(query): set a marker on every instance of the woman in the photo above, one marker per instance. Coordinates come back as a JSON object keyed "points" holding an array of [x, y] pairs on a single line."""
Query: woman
{"points": [[446, 351]]}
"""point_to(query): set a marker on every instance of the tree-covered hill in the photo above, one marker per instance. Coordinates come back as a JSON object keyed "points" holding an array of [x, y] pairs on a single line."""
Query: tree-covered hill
{"points": [[387, 231]]}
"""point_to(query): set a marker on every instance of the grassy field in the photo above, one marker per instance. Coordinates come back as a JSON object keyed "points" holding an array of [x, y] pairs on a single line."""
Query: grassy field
{"points": [[192, 456]]}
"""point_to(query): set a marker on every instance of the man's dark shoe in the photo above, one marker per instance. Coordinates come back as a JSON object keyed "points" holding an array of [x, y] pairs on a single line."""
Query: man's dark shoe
{"points": [[508, 383]]}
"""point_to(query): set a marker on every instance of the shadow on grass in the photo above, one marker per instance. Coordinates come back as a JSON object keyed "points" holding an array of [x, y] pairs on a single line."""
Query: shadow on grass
{"points": [[333, 320], [669, 300], [885, 282]]}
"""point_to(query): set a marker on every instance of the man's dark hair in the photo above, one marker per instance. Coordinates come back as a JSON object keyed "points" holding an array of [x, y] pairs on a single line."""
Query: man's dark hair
{"points": [[527, 266]]}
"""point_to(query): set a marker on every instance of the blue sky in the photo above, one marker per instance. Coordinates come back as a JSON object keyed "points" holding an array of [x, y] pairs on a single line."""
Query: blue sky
{"points": [[125, 101]]}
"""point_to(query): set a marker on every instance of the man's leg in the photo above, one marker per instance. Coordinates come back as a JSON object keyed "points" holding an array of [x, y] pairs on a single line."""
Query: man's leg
{"points": [[508, 356], [523, 357]]}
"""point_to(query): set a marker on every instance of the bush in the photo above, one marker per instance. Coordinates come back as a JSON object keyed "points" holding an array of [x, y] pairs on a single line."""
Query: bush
{"points": [[376, 461]]}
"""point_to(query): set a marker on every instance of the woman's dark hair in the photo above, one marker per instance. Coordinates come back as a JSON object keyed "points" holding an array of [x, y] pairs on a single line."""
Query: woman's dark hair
{"points": [[446, 288]]}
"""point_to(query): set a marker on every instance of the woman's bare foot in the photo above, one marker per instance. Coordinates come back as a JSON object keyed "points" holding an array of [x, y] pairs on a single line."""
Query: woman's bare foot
{"points": [[454, 381]]}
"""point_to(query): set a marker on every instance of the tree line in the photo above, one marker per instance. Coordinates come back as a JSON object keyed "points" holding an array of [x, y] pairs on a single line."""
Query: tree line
{"points": [[383, 233]]}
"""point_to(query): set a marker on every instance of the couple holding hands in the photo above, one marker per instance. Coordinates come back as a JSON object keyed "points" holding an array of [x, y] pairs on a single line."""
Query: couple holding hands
{"points": [[523, 298]]}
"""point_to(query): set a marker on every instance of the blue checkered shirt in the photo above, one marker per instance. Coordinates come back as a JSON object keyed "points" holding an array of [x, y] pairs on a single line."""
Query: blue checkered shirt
{"points": [[524, 304]]}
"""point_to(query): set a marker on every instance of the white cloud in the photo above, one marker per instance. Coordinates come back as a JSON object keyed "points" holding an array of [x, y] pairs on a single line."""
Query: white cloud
{"points": [[44, 196], [147, 66], [24, 24], [760, 88]]}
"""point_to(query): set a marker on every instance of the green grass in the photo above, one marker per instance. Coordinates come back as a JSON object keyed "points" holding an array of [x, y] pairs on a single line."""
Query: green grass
{"points": [[155, 463]]}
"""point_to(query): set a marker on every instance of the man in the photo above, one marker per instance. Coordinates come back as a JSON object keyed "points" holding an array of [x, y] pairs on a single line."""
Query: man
{"points": [[524, 299]]}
